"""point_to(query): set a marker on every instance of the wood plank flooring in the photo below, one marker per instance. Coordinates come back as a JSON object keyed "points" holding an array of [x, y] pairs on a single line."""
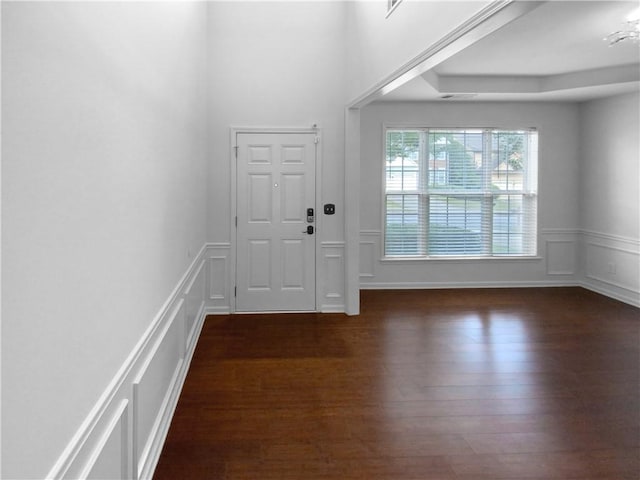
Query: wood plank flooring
{"points": [[425, 384]]}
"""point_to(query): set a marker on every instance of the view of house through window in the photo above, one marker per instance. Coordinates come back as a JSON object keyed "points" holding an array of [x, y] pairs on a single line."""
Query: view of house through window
{"points": [[460, 192]]}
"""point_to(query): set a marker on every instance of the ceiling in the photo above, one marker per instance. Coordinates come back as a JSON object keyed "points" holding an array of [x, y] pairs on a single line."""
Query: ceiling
{"points": [[555, 52]]}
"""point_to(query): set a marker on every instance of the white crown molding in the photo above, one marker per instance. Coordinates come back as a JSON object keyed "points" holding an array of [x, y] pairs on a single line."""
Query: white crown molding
{"points": [[509, 84]]}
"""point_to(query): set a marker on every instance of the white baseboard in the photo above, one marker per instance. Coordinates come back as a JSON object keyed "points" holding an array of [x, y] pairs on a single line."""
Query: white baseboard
{"points": [[630, 297], [123, 435], [446, 285]]}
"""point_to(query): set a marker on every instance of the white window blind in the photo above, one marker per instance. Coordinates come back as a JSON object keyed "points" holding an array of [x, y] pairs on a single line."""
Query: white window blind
{"points": [[460, 192]]}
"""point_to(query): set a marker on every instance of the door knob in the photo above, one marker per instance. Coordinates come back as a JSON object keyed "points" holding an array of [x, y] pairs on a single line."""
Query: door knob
{"points": [[309, 230]]}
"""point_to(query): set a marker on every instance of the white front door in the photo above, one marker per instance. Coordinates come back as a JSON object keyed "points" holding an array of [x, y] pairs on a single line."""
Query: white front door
{"points": [[276, 239]]}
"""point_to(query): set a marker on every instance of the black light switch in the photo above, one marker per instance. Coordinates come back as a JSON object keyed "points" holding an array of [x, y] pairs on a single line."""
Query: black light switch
{"points": [[329, 209]]}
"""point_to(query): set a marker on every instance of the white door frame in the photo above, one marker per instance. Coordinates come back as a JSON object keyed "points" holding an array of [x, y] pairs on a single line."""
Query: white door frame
{"points": [[233, 133]]}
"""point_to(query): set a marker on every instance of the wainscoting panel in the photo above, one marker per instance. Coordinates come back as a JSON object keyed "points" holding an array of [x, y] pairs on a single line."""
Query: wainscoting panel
{"points": [[612, 266], [122, 436], [556, 265], [561, 251], [332, 275], [195, 303], [153, 386], [219, 280], [370, 252], [561, 257], [111, 457]]}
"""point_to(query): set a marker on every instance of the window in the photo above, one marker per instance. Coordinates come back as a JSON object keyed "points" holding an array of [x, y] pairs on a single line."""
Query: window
{"points": [[460, 192]]}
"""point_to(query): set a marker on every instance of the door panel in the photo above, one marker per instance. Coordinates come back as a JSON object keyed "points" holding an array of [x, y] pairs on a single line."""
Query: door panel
{"points": [[260, 199], [292, 274], [259, 154], [275, 264], [259, 262], [293, 154], [292, 196]]}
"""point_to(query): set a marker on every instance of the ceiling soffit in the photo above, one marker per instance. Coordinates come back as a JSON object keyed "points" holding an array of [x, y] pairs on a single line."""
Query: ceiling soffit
{"points": [[556, 51]]}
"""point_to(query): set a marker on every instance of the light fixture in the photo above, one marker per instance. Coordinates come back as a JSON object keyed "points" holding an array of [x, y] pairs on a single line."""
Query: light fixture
{"points": [[631, 31]]}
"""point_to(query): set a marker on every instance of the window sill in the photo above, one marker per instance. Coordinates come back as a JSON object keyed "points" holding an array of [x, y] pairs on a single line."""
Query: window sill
{"points": [[461, 259]]}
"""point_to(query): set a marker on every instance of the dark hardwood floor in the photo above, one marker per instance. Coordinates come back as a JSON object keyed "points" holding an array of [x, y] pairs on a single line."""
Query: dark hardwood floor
{"points": [[424, 384]]}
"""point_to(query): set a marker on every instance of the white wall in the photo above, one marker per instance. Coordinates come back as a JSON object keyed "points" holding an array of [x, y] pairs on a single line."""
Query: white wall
{"points": [[609, 172], [557, 186], [103, 201], [277, 64], [610, 198], [379, 45]]}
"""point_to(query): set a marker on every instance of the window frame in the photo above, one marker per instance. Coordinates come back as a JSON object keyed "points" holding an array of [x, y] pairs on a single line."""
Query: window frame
{"points": [[531, 171]]}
